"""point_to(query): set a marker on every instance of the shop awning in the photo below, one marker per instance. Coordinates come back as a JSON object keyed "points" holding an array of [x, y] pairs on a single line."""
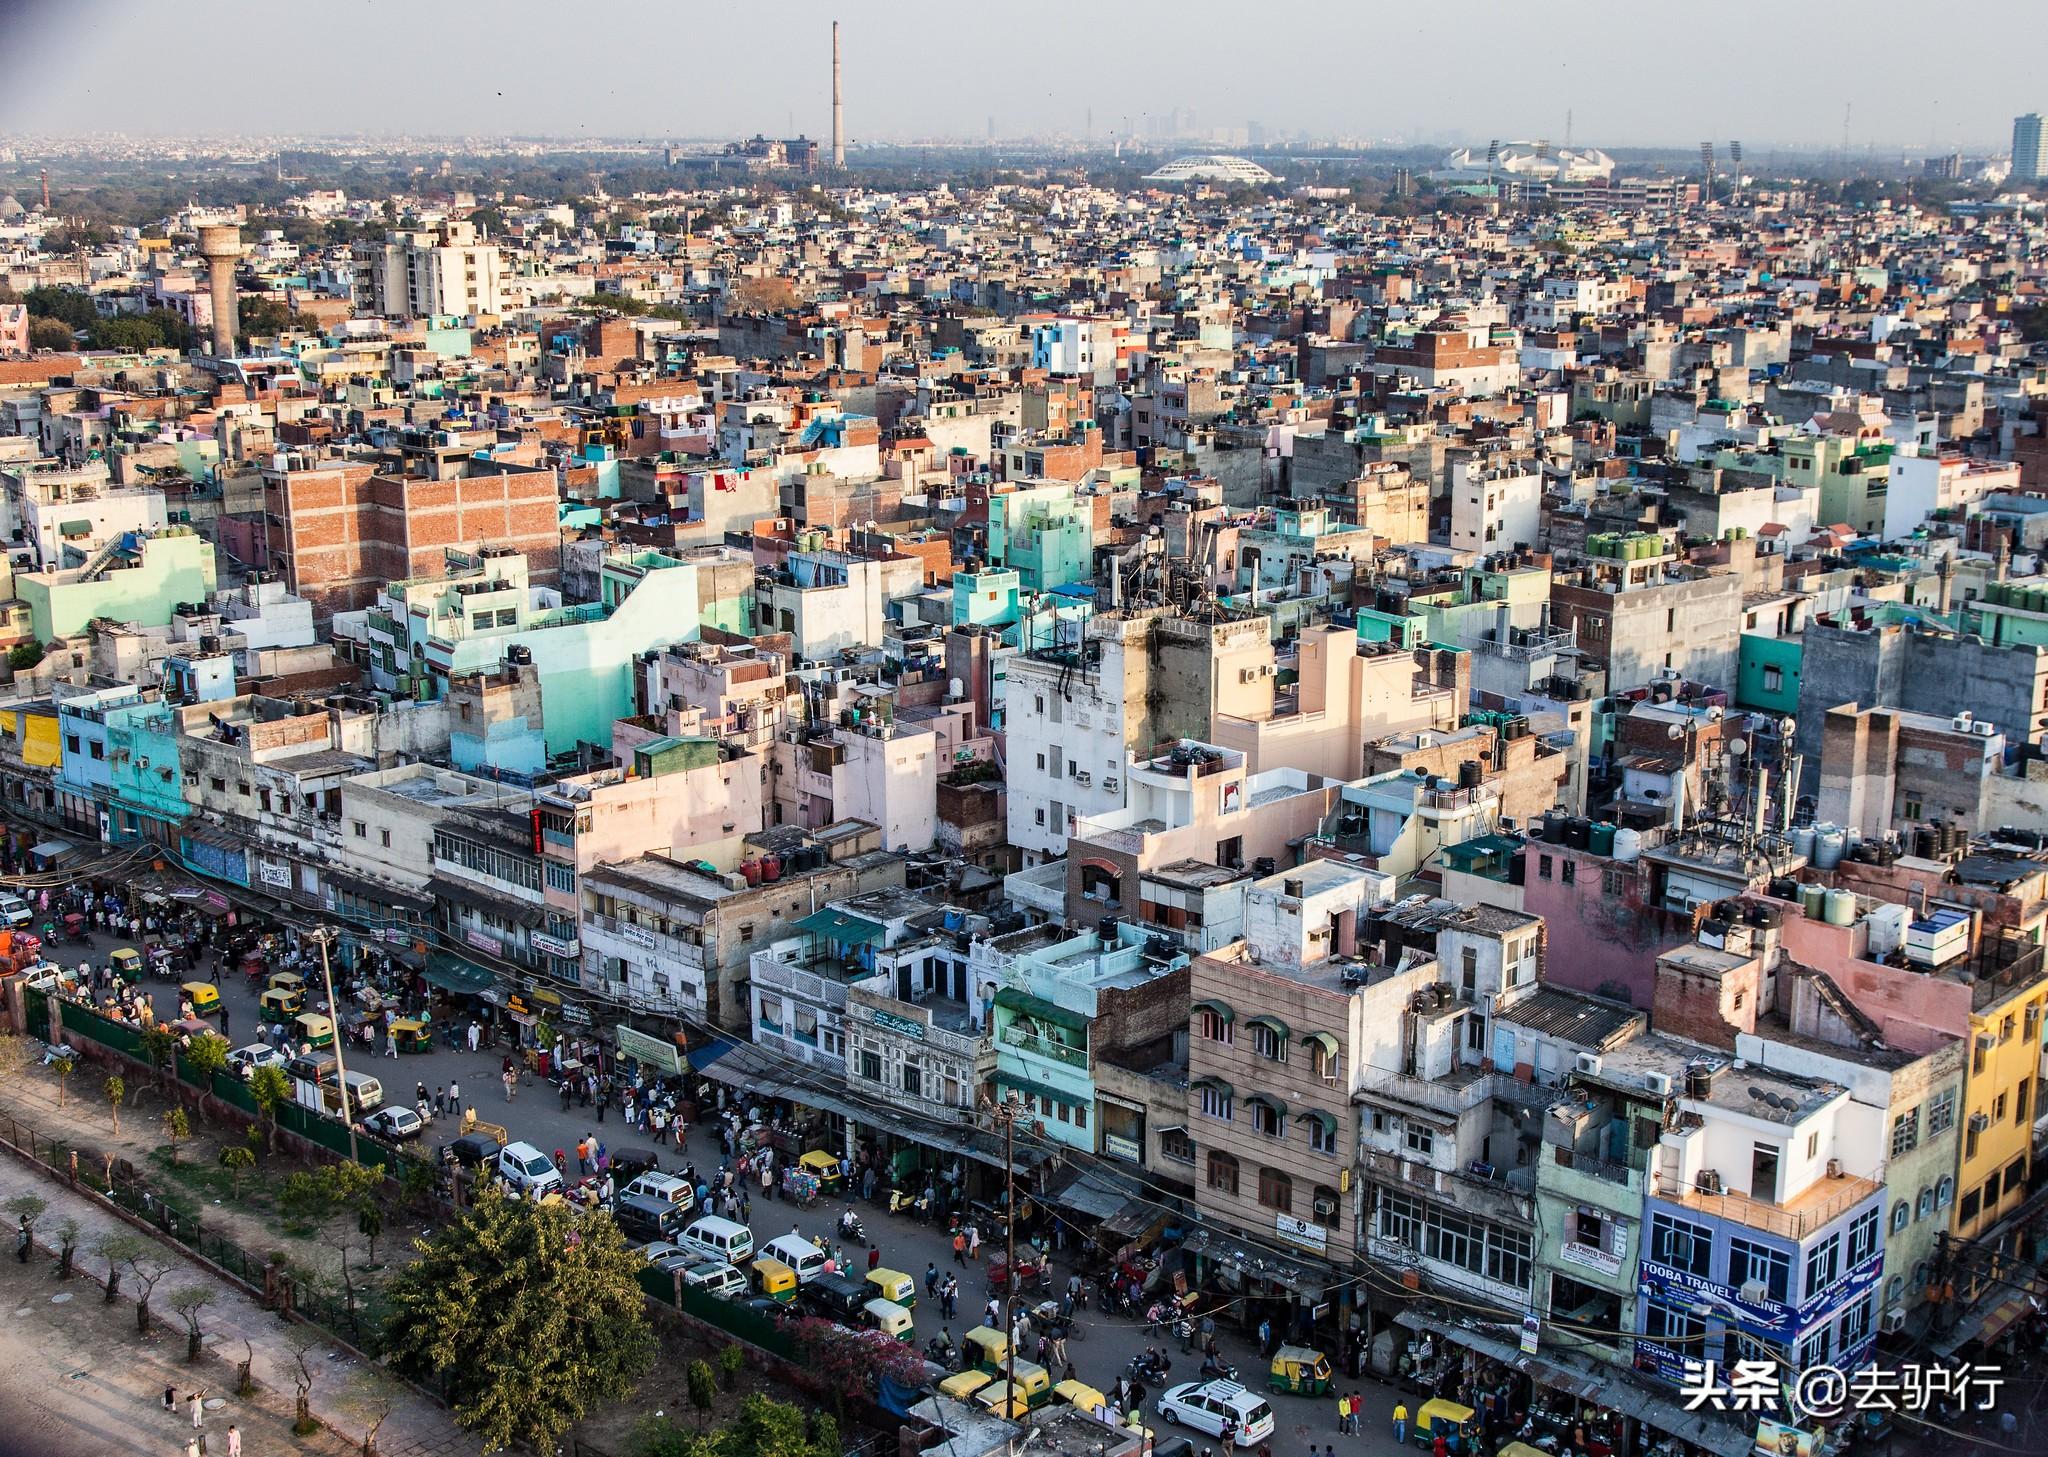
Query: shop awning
{"points": [[1043, 1090], [51, 849], [1260, 1263], [1273, 1024], [74, 528], [1097, 1193], [843, 927], [1610, 1386], [1221, 1010], [1325, 1041], [703, 1054], [519, 913], [453, 974], [1038, 1008]]}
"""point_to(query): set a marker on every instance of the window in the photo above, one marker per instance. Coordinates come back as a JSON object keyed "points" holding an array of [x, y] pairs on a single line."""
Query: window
{"points": [[1322, 1135], [1268, 1043], [1823, 1263], [913, 1079], [1913, 809], [220, 785], [72, 744], [1216, 1027], [1998, 1108], [1814, 1349], [383, 835], [1902, 1215], [1970, 1140], [1863, 1237], [1216, 1102], [362, 830], [1681, 1244], [1749, 1260], [1543, 867], [1399, 1219], [1268, 1120], [1419, 1140], [1968, 1210], [1673, 1327], [1175, 1144], [1774, 680], [1855, 1323], [1568, 872], [1039, 815], [2023, 1101], [1924, 1206], [1906, 1132], [1611, 881], [1468, 972], [1276, 1190], [2015, 1174], [1944, 1192], [1223, 1173]]}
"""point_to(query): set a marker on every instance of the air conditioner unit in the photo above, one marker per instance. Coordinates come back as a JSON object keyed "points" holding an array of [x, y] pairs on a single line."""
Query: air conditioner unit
{"points": [[1756, 1292], [1709, 1181], [1659, 1083], [1892, 1321], [1834, 1168], [1587, 1062], [1326, 1208], [1979, 1122]]}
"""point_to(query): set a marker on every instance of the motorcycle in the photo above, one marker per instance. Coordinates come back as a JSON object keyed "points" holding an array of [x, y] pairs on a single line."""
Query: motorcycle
{"points": [[1214, 1369], [1148, 1365], [940, 1352], [917, 1206], [851, 1228]]}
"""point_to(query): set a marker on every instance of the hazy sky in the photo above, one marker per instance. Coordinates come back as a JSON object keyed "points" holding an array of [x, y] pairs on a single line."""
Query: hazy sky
{"points": [[1633, 72]]}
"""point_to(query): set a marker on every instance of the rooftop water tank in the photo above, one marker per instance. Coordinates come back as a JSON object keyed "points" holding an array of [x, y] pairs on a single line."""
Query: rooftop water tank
{"points": [[1840, 909]]}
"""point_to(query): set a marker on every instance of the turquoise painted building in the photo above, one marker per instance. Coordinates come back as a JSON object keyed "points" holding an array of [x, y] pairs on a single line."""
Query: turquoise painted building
{"points": [[1046, 533], [985, 599], [145, 800], [1043, 1014], [1767, 673]]}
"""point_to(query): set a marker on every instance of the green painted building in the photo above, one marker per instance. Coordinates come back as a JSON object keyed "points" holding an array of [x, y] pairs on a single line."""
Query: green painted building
{"points": [[140, 577], [1767, 673]]}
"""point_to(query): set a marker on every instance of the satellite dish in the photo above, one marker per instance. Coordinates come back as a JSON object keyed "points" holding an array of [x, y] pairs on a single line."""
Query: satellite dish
{"points": [[1738, 747], [1675, 731]]}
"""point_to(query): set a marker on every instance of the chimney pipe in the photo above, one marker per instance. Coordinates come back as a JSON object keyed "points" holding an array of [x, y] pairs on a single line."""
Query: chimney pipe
{"points": [[838, 106]]}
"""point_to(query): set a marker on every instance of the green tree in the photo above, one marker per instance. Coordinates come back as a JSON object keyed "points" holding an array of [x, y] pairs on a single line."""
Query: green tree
{"points": [[117, 1247], [117, 1089], [72, 306], [146, 1267], [236, 1159], [261, 314], [731, 1361], [177, 1128], [53, 334], [63, 1067], [26, 1209], [527, 1317], [271, 1090], [132, 335], [763, 1427], [188, 1301], [207, 1055], [69, 1230], [703, 1389], [160, 1049], [24, 655]]}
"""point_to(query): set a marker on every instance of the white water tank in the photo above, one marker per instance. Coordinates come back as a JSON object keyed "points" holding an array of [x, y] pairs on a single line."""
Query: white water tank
{"points": [[1840, 908], [1828, 844], [1628, 844], [1802, 841]]}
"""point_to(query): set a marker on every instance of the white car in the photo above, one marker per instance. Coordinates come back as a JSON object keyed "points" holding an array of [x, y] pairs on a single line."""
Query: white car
{"points": [[526, 1170], [396, 1123], [244, 1061], [1204, 1405], [15, 911], [715, 1276], [657, 1185]]}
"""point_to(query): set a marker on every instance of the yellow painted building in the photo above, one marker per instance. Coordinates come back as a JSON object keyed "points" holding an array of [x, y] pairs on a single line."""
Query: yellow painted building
{"points": [[2000, 1091]]}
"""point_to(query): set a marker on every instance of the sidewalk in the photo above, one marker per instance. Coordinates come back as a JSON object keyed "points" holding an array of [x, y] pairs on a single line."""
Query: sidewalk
{"points": [[416, 1427]]}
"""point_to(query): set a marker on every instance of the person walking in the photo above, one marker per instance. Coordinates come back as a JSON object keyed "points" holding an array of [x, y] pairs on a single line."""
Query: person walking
{"points": [[171, 1399], [511, 1080], [959, 1247], [474, 1032], [931, 1279], [234, 1440], [22, 1240], [454, 1096], [874, 1257], [1400, 1424], [973, 1242], [602, 1098], [195, 1405]]}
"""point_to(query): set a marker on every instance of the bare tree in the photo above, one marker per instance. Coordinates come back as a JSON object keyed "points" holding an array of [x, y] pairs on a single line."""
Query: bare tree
{"points": [[68, 1232], [301, 1340], [245, 1382], [146, 1269], [188, 1301], [370, 1399]]}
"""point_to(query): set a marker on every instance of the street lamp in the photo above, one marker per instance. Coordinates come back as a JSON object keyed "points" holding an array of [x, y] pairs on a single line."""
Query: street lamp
{"points": [[1005, 1113], [322, 936]]}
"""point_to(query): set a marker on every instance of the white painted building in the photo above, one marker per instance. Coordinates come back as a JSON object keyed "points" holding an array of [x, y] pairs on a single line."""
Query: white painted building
{"points": [[1494, 505], [1068, 717], [63, 514], [447, 270]]}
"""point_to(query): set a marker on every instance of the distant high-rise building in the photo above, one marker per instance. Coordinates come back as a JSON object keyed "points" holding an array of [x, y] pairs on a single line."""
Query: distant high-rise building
{"points": [[2029, 156]]}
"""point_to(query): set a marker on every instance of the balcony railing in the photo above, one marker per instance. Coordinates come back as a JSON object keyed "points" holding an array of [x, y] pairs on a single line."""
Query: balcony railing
{"points": [[1038, 1046]]}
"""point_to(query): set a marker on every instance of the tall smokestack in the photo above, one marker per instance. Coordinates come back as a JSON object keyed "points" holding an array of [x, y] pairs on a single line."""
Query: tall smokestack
{"points": [[221, 245], [838, 106], [46, 189]]}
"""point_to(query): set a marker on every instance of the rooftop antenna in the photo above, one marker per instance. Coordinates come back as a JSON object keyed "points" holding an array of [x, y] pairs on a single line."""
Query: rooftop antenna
{"points": [[1567, 130]]}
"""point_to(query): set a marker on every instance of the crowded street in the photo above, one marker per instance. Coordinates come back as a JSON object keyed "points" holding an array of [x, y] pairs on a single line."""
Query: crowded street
{"points": [[446, 1078]]}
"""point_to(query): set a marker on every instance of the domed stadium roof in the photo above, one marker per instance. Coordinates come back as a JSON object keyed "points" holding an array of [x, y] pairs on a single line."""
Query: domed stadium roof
{"points": [[1534, 162], [1212, 167]]}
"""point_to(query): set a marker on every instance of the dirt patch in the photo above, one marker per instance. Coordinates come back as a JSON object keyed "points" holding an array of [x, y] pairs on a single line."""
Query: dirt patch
{"points": [[76, 1380]]}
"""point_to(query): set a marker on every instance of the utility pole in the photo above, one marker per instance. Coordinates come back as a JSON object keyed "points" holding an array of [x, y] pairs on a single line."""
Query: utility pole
{"points": [[323, 935], [1005, 1112]]}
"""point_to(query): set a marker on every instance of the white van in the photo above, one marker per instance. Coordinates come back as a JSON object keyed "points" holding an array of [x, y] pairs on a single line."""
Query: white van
{"points": [[799, 1254], [721, 1239], [657, 1185], [365, 1095]]}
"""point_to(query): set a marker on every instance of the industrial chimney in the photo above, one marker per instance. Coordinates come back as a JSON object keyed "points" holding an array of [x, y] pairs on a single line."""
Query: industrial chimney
{"points": [[221, 244], [838, 106]]}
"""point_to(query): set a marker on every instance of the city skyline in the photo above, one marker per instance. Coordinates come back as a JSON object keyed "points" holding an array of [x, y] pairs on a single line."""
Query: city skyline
{"points": [[1611, 87]]}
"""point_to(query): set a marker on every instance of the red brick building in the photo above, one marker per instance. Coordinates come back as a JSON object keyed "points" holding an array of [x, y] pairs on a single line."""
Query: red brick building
{"points": [[339, 529]]}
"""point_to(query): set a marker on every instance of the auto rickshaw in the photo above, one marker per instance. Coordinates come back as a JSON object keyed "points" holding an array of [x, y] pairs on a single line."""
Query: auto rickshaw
{"points": [[890, 1319], [313, 1029], [831, 1174], [894, 1285], [774, 1279], [281, 1005], [986, 1348], [126, 963], [412, 1035], [1032, 1390], [963, 1384], [286, 981], [1080, 1396], [1521, 1449], [1300, 1371], [204, 997], [1458, 1423]]}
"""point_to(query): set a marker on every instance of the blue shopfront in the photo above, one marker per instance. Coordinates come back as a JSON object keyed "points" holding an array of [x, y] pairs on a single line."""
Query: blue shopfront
{"points": [[1712, 1287]]}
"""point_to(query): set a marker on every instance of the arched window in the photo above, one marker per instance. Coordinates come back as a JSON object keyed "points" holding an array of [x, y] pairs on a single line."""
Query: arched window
{"points": [[1926, 1205], [1901, 1213], [1944, 1193], [1276, 1190]]}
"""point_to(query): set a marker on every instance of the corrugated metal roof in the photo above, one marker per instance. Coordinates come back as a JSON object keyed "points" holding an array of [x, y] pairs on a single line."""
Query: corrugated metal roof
{"points": [[1555, 1012]]}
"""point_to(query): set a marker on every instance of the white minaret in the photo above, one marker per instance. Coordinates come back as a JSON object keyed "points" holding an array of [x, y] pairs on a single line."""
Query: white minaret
{"points": [[838, 106]]}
